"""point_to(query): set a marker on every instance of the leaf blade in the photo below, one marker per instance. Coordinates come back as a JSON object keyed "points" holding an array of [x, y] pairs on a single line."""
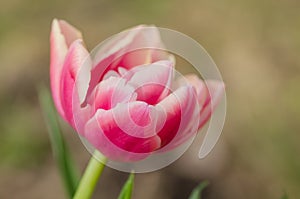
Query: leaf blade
{"points": [[126, 191], [196, 193], [69, 173]]}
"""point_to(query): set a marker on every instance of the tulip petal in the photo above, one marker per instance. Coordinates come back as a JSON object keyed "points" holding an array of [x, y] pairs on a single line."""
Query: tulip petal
{"points": [[110, 92], [182, 112], [128, 129], [215, 92], [70, 32], [132, 43], [62, 34], [95, 136], [146, 48], [209, 94], [76, 70], [125, 50], [152, 82]]}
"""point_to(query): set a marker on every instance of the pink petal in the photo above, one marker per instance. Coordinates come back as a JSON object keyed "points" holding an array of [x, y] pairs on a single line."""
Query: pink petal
{"points": [[152, 82], [216, 91], [130, 43], [76, 69], [108, 53], [110, 73], [182, 112], [70, 32], [62, 34], [146, 48], [116, 51], [209, 94], [110, 92], [198, 84], [96, 137], [125, 132]]}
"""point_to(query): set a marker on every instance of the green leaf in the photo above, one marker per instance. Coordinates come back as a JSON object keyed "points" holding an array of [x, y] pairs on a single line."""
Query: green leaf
{"points": [[196, 193], [61, 154], [127, 188]]}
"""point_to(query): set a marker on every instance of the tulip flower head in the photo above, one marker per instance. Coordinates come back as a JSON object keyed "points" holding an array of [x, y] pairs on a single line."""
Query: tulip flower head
{"points": [[125, 99]]}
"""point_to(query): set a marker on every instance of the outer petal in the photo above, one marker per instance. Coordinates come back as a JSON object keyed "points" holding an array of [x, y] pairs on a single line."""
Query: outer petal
{"points": [[118, 49], [70, 32], [76, 70], [124, 133], [144, 49], [209, 94], [116, 52], [215, 92], [182, 112], [62, 35]]}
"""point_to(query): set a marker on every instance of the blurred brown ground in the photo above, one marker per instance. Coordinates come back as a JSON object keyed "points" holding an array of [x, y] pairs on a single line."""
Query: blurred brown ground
{"points": [[256, 46]]}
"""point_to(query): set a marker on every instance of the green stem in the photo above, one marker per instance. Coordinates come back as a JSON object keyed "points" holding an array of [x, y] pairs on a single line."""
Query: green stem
{"points": [[90, 178]]}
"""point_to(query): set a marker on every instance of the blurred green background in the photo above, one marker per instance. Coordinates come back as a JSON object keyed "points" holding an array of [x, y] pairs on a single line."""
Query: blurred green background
{"points": [[256, 45]]}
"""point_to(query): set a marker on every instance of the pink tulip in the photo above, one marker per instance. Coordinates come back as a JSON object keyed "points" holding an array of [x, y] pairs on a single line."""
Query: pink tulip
{"points": [[127, 105]]}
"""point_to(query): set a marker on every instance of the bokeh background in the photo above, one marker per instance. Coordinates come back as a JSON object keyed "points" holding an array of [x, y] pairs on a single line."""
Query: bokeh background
{"points": [[256, 45]]}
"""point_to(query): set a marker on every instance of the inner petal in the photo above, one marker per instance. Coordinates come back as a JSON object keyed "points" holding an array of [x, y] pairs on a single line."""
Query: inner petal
{"points": [[152, 81], [110, 92]]}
